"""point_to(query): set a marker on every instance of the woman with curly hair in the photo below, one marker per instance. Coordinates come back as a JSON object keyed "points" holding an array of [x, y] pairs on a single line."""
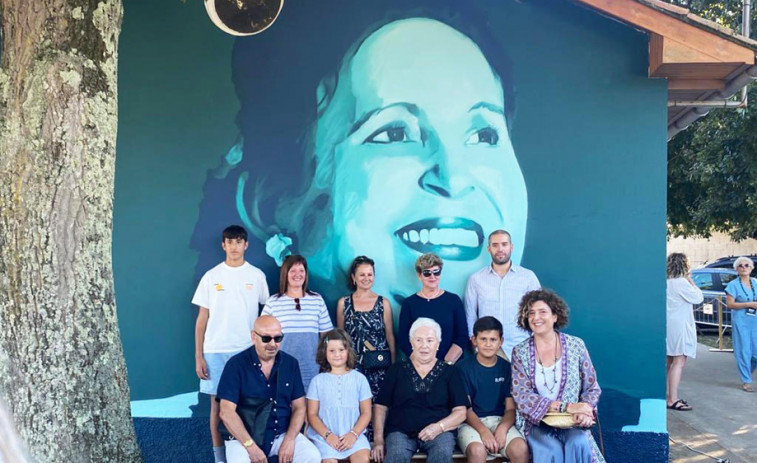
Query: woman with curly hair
{"points": [[681, 337], [552, 372]]}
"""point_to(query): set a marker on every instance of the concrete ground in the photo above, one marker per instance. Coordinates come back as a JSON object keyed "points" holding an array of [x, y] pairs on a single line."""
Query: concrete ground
{"points": [[723, 422]]}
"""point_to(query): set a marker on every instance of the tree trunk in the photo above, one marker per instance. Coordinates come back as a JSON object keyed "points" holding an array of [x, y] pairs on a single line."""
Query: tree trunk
{"points": [[62, 369]]}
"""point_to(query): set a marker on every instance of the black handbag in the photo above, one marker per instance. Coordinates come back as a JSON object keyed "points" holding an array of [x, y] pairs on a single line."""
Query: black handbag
{"points": [[376, 359], [254, 413]]}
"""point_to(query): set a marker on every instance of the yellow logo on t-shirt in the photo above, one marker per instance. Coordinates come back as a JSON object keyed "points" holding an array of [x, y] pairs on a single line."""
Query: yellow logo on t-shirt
{"points": [[219, 287], [248, 286]]}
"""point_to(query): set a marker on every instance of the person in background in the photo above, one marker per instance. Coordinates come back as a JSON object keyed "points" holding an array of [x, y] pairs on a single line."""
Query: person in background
{"points": [[229, 297], [741, 298], [432, 302], [489, 428], [681, 339], [302, 314], [496, 290], [552, 372], [339, 402]]}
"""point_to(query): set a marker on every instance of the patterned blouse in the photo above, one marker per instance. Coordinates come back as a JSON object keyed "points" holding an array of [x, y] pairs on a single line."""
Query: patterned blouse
{"points": [[578, 383]]}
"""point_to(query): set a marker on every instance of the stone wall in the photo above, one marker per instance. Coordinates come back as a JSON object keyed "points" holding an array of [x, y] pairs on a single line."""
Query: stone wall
{"points": [[703, 250]]}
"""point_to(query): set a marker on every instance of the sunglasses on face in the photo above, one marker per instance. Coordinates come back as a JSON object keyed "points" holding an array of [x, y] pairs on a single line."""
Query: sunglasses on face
{"points": [[427, 273], [744, 266], [266, 339]]}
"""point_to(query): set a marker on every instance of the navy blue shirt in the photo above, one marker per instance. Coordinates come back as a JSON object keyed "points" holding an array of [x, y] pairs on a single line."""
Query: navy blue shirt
{"points": [[243, 377], [447, 310], [487, 387]]}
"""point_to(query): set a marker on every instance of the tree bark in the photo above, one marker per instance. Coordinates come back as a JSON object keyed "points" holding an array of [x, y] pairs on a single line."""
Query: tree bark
{"points": [[62, 369]]}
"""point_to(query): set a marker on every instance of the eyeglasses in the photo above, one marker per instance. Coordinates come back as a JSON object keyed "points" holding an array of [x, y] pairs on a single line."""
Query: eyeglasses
{"points": [[266, 339], [297, 304], [744, 266], [427, 273]]}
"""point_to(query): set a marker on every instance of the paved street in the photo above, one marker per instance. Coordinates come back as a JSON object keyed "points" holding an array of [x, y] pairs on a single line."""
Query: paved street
{"points": [[723, 422]]}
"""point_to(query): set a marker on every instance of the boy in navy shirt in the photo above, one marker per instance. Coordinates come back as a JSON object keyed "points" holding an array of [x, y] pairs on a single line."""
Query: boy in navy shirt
{"points": [[489, 426]]}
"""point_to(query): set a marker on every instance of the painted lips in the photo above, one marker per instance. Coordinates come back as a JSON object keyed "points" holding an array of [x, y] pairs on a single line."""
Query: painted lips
{"points": [[451, 238]]}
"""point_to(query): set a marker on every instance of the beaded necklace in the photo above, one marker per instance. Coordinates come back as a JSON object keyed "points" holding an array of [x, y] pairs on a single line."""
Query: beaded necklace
{"points": [[554, 367]]}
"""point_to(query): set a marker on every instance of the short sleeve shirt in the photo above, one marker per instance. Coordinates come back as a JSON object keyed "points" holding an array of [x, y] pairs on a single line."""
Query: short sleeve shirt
{"points": [[416, 402], [243, 377], [487, 387]]}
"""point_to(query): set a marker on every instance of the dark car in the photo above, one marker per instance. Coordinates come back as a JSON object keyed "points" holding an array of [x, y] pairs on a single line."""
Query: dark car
{"points": [[712, 282], [727, 262]]}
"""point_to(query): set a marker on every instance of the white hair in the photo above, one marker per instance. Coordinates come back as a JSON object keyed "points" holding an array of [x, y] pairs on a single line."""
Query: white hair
{"points": [[428, 323], [741, 260]]}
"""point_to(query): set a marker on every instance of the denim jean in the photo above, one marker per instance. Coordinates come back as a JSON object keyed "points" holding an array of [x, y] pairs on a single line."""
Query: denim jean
{"points": [[400, 448]]}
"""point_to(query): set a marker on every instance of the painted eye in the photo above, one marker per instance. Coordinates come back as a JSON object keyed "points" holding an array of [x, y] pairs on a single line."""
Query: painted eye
{"points": [[388, 135], [486, 135]]}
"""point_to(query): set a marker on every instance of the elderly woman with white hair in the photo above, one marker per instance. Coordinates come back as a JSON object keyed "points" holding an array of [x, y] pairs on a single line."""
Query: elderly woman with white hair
{"points": [[741, 298], [420, 402]]}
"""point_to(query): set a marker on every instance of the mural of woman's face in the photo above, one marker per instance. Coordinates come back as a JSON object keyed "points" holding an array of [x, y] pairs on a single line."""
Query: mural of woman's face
{"points": [[424, 161]]}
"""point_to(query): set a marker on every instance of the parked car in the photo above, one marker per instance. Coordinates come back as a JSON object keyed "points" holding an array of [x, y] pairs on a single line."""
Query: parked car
{"points": [[727, 262], [712, 282]]}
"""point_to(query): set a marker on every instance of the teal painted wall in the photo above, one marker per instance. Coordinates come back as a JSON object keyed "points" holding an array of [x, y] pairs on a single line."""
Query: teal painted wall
{"points": [[589, 134]]}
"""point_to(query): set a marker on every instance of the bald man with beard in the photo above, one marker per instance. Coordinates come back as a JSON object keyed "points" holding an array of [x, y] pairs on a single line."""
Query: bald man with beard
{"points": [[264, 372]]}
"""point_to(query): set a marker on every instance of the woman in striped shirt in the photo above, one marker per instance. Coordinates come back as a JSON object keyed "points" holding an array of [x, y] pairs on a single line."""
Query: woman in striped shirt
{"points": [[302, 314]]}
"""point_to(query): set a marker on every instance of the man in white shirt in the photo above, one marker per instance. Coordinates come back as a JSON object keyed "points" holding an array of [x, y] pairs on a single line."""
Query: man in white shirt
{"points": [[496, 290], [229, 297]]}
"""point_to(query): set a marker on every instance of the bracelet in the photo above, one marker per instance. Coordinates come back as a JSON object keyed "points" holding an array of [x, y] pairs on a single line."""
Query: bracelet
{"points": [[563, 407], [441, 425], [326, 436], [354, 433]]}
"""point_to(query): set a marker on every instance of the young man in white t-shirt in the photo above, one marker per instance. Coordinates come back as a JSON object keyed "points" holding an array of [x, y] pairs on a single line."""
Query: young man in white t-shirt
{"points": [[229, 296]]}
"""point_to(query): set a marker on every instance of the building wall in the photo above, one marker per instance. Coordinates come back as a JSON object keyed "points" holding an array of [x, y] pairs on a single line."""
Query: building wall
{"points": [[703, 250], [582, 189]]}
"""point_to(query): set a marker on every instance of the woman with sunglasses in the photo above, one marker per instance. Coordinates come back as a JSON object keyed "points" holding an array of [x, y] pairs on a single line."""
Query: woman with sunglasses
{"points": [[444, 307], [302, 313], [741, 298]]}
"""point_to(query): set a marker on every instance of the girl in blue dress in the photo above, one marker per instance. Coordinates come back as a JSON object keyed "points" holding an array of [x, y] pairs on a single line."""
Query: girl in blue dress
{"points": [[339, 402], [741, 298]]}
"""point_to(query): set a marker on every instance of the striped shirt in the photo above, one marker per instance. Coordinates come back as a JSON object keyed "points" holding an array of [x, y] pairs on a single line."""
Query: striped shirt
{"points": [[301, 328], [488, 294]]}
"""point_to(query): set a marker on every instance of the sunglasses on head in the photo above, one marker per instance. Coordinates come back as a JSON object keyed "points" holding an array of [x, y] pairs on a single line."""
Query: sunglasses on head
{"points": [[427, 273], [266, 339]]}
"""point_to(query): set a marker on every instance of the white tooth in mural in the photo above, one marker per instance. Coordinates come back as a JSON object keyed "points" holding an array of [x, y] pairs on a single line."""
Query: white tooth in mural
{"points": [[414, 238], [424, 236], [404, 236], [433, 236]]}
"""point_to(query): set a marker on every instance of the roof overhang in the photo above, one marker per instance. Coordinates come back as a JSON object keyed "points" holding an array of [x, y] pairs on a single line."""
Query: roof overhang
{"points": [[702, 60]]}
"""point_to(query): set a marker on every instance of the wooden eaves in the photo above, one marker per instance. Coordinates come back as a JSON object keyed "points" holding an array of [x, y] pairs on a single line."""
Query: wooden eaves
{"points": [[702, 60]]}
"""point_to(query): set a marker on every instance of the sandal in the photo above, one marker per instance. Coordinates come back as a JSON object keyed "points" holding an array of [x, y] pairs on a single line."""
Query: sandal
{"points": [[680, 405], [747, 387]]}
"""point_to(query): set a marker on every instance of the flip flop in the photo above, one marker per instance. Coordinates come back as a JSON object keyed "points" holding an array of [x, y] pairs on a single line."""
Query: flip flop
{"points": [[680, 405], [747, 387]]}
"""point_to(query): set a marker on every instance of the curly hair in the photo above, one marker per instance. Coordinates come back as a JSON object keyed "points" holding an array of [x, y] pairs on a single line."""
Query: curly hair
{"points": [[427, 261], [336, 334], [556, 304], [357, 262], [677, 265]]}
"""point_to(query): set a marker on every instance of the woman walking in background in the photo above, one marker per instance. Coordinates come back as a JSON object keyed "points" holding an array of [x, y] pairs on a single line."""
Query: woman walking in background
{"points": [[681, 333], [741, 297]]}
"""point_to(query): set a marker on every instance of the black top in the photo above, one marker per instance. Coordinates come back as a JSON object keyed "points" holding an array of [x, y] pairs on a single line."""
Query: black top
{"points": [[416, 402], [447, 310], [487, 387], [243, 377]]}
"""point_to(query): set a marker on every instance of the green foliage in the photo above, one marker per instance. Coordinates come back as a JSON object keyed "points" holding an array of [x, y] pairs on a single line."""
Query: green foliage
{"points": [[712, 165], [712, 174]]}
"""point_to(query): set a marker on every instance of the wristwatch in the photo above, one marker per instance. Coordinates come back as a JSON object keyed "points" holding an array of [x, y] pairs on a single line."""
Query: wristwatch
{"points": [[247, 444]]}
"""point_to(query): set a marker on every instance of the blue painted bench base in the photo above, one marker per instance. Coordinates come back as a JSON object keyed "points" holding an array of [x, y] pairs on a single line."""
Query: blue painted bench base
{"points": [[187, 440]]}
